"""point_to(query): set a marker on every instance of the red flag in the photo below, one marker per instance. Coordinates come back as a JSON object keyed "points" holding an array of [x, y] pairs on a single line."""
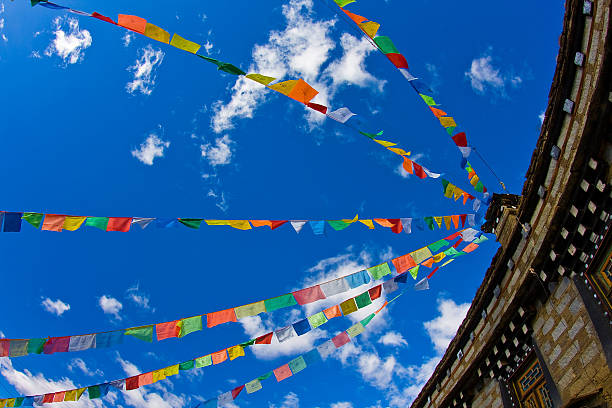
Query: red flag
{"points": [[398, 60], [418, 171], [317, 107], [131, 383], [375, 292], [460, 139], [265, 339], [276, 224], [237, 391], [456, 244], [432, 273], [121, 224], [103, 18], [397, 225], [463, 218]]}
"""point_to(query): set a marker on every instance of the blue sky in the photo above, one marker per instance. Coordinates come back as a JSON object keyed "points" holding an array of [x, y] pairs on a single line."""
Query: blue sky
{"points": [[99, 123]]}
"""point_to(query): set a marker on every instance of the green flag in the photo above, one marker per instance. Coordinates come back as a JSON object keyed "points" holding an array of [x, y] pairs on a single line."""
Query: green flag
{"points": [[363, 300], [379, 271], [265, 376], [430, 102], [187, 365], [97, 222], [414, 271], [35, 219], [143, 333], [343, 3], [430, 222], [35, 346], [280, 302], [94, 391], [479, 187], [231, 69], [372, 135], [191, 222], [436, 246], [203, 361], [368, 319], [338, 225], [386, 45], [190, 325]]}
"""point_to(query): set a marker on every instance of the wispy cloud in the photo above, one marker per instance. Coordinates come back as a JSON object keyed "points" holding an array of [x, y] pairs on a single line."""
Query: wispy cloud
{"points": [[127, 38], [139, 298], [111, 306], [393, 338], [56, 307], [290, 400], [219, 153], [484, 76], [151, 148], [69, 44], [79, 364], [144, 70], [442, 329]]}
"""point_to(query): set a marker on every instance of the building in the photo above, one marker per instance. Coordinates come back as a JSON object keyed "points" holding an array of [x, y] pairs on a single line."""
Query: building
{"points": [[539, 331]]}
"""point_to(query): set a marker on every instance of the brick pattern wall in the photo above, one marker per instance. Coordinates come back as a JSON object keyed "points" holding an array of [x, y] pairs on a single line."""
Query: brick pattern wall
{"points": [[489, 396], [572, 351]]}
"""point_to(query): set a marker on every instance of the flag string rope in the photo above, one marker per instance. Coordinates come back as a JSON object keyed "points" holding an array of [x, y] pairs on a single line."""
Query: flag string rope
{"points": [[286, 333], [297, 90], [369, 29], [59, 222], [18, 347]]}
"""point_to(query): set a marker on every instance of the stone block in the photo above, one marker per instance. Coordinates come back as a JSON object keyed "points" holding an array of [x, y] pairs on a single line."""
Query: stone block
{"points": [[548, 325], [554, 354], [559, 329], [567, 357], [573, 331]]}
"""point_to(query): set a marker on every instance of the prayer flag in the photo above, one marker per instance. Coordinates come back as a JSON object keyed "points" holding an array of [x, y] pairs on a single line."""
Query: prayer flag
{"points": [[447, 122], [262, 79], [407, 224], [252, 309], [383, 222], [460, 139], [109, 339], [338, 225], [144, 333], [235, 352], [219, 357], [284, 87], [297, 364], [189, 325], [285, 333], [53, 222], [343, 3], [430, 222], [436, 246], [367, 223], [120, 224], [355, 330], [398, 151], [439, 221], [341, 339], [420, 255], [439, 257], [97, 222], [94, 392], [282, 372], [403, 263], [471, 247], [187, 365], [203, 361], [317, 107], [355, 17], [133, 23], [341, 115], [428, 263], [167, 330], [145, 379], [302, 92], [317, 320], [348, 306], [183, 44], [157, 33], [377, 272], [172, 370], [363, 300], [386, 45], [265, 339], [301, 327], [35, 346], [308, 295], [375, 292], [312, 357], [438, 113], [423, 284], [253, 386], [463, 218], [220, 317], [407, 165], [368, 319], [18, 348], [398, 60], [332, 312], [131, 383], [191, 222], [48, 398], [4, 347], [318, 227], [370, 28], [57, 345], [334, 287], [385, 143], [357, 279], [236, 391], [428, 100], [80, 343], [298, 225], [280, 302], [103, 18], [72, 223], [418, 170], [34, 219]]}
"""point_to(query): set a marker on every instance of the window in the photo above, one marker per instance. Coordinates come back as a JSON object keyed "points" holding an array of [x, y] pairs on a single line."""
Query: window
{"points": [[530, 387], [601, 278]]}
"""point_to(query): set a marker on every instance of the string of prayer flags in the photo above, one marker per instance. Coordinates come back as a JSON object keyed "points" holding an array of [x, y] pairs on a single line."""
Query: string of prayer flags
{"points": [[182, 327], [59, 223], [386, 46], [296, 89]]}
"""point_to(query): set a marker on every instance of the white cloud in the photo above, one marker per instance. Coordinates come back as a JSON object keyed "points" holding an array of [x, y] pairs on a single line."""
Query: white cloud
{"points": [[542, 116], [111, 306], [484, 76], [220, 200], [56, 307], [151, 148], [78, 363], [69, 45], [127, 38], [393, 338], [350, 68], [343, 404], [220, 153], [26, 383], [442, 329], [140, 298], [144, 70], [291, 400], [144, 397], [208, 46]]}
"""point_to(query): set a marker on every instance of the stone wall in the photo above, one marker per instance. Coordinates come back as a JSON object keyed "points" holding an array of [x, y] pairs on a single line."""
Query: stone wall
{"points": [[489, 396], [569, 344]]}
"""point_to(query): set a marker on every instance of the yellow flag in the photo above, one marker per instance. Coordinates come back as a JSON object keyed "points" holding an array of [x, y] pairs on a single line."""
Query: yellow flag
{"points": [[353, 220], [235, 352], [70, 395], [240, 224], [262, 79], [420, 255], [438, 221], [450, 190], [457, 193], [367, 223], [370, 28], [284, 87], [156, 33], [385, 143], [474, 181], [80, 392], [183, 44], [448, 121], [73, 223], [399, 151], [438, 257], [447, 221], [11, 402], [172, 370], [159, 375]]}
